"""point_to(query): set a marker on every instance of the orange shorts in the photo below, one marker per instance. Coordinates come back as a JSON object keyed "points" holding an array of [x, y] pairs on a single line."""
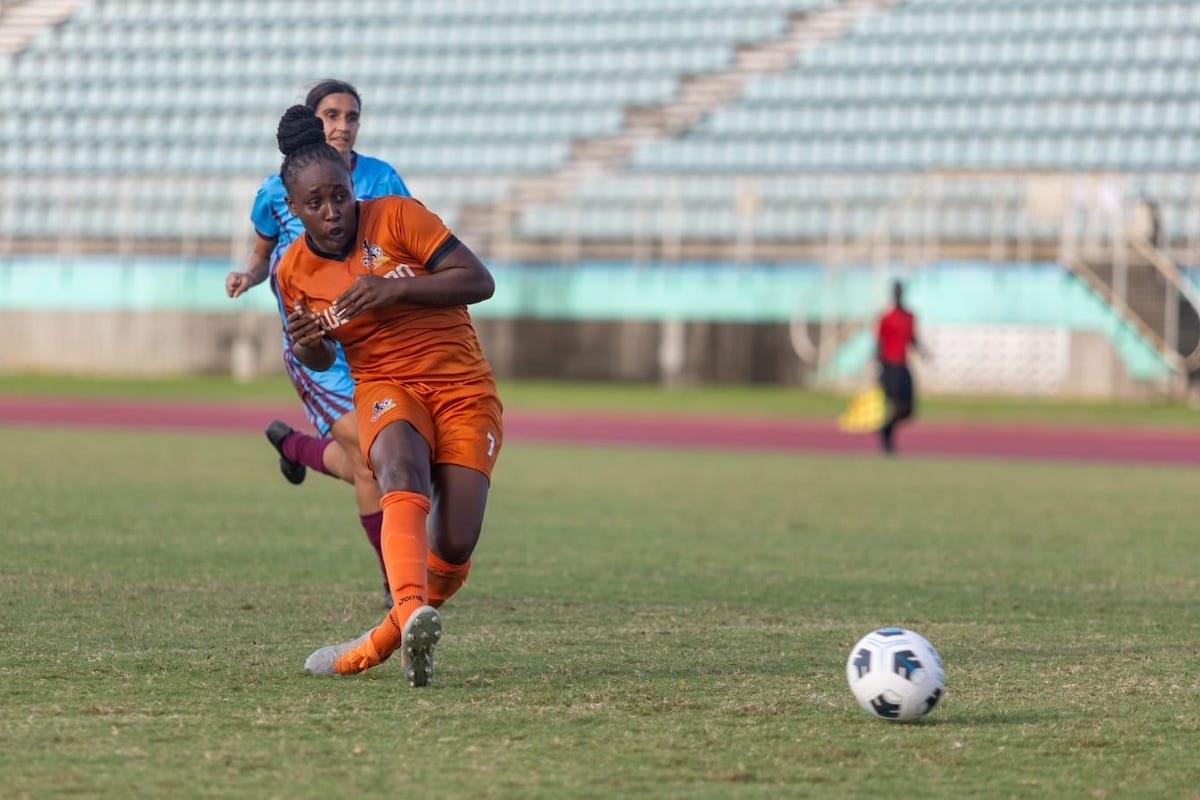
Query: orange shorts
{"points": [[461, 421]]}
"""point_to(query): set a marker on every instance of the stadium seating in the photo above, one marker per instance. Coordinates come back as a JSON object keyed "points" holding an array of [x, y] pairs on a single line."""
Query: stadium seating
{"points": [[487, 90], [1047, 85], [464, 97]]}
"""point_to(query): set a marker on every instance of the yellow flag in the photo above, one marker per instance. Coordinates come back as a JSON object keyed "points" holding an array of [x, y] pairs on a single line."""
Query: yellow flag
{"points": [[864, 412]]}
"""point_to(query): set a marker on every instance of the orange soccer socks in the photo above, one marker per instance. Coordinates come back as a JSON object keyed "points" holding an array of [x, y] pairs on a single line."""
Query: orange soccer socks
{"points": [[444, 578], [403, 543]]}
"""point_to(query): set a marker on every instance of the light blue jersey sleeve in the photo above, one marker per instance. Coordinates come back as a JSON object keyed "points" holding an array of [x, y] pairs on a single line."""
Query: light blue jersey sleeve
{"points": [[375, 178], [271, 217], [263, 214]]}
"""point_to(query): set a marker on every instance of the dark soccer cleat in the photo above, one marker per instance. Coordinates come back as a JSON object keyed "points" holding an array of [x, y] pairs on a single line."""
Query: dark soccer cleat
{"points": [[421, 635], [294, 471]]}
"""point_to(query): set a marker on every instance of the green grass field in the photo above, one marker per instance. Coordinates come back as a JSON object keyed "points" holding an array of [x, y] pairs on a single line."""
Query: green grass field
{"points": [[639, 623]]}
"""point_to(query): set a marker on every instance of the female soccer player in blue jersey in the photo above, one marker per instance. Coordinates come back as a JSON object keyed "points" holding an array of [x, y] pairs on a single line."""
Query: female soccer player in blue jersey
{"points": [[327, 396]]}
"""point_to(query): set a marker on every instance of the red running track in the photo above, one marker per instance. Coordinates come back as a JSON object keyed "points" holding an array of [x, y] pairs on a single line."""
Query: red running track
{"points": [[1112, 444]]}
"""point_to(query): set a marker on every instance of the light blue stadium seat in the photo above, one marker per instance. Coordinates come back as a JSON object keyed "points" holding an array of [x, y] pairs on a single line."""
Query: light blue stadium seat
{"points": [[458, 88]]}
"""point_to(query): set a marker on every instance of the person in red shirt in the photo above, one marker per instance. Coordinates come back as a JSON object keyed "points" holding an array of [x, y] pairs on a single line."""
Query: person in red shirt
{"points": [[389, 282], [896, 332]]}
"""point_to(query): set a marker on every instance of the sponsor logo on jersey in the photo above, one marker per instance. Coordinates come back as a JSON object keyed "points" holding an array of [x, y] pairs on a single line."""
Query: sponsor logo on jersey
{"points": [[373, 257]]}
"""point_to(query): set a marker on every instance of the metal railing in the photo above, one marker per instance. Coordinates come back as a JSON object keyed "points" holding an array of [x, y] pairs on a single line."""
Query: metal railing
{"points": [[1058, 216]]}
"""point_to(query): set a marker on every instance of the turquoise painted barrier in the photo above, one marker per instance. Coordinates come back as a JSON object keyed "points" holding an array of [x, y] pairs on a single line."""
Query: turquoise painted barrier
{"points": [[983, 293], [953, 292], [48, 283]]}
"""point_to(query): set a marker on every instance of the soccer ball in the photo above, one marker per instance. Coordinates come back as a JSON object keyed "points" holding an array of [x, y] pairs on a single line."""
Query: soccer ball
{"points": [[895, 675]]}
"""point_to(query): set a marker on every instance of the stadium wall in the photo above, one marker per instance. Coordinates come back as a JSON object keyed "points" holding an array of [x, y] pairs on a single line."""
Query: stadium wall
{"points": [[1011, 328]]}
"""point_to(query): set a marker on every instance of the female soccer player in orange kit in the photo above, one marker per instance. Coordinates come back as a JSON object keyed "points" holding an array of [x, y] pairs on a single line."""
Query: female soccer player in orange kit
{"points": [[390, 283], [327, 396]]}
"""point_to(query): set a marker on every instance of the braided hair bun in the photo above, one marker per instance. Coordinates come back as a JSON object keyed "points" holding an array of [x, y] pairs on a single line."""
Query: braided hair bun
{"points": [[301, 138], [299, 127]]}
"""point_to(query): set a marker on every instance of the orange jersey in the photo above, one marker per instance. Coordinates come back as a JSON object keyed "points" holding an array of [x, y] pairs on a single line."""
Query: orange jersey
{"points": [[398, 238]]}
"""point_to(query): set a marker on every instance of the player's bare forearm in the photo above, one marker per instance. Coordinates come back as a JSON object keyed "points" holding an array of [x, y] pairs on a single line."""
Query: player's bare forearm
{"points": [[309, 343], [318, 357], [455, 282], [237, 283], [257, 269], [256, 273], [459, 279]]}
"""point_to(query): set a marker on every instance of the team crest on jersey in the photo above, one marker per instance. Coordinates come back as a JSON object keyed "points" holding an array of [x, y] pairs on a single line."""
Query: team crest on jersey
{"points": [[373, 256], [381, 407]]}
